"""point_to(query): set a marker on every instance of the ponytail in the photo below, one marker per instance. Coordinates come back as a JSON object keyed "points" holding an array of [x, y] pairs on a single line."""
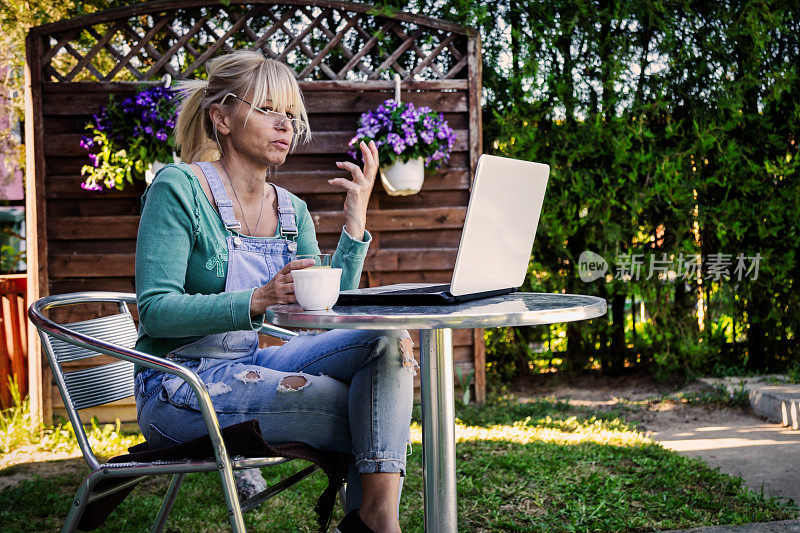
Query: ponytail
{"points": [[190, 136]]}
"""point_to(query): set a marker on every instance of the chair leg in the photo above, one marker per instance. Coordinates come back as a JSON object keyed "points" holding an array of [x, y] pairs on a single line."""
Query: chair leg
{"points": [[166, 505], [231, 497], [80, 502]]}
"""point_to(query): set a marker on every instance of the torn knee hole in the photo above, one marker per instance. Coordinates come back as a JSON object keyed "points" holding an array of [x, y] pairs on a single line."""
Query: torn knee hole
{"points": [[407, 350], [407, 347], [249, 376], [292, 383]]}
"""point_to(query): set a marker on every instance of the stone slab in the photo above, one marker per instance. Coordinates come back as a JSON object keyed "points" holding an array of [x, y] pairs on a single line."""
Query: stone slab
{"points": [[775, 401], [784, 526]]}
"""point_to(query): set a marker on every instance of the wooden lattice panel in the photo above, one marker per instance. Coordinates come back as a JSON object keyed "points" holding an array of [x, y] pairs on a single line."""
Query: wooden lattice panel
{"points": [[346, 42]]}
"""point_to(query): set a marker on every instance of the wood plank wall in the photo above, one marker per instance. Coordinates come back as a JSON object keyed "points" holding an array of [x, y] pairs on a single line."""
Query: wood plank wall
{"points": [[91, 237]]}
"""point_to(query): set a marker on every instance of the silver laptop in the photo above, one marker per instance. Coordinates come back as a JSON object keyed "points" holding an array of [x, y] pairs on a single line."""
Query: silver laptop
{"points": [[496, 243]]}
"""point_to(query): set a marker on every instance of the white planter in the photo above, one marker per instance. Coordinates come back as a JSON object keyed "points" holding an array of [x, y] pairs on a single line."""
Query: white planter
{"points": [[402, 179], [155, 166]]}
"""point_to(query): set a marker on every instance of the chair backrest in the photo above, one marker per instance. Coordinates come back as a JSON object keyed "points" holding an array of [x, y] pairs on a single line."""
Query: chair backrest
{"points": [[102, 384], [92, 386]]}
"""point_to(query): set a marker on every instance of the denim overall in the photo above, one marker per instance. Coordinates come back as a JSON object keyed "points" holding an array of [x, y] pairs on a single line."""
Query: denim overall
{"points": [[252, 262], [352, 390]]}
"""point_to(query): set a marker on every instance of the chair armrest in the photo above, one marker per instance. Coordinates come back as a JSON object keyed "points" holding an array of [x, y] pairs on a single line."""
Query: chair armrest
{"points": [[45, 325], [159, 363]]}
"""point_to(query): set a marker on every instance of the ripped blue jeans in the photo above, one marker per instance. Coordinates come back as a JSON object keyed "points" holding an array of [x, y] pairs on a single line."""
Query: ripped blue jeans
{"points": [[344, 390]]}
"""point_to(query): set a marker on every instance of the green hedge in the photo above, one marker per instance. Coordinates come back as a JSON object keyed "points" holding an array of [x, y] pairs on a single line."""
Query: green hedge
{"points": [[670, 127]]}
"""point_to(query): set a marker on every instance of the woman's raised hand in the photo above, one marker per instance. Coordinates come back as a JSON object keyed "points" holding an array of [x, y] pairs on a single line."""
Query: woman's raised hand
{"points": [[358, 190], [279, 290]]}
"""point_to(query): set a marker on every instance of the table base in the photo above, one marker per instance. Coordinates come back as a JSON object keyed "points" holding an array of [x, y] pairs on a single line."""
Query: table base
{"points": [[438, 430]]}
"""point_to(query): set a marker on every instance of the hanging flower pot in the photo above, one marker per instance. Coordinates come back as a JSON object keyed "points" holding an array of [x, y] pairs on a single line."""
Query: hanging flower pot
{"points": [[155, 166], [403, 178], [129, 138], [409, 139]]}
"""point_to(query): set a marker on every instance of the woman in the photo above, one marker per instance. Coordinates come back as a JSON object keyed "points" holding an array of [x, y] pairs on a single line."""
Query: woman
{"points": [[213, 252]]}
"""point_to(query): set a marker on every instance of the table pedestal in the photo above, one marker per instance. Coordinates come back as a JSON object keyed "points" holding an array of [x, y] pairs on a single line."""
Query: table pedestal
{"points": [[435, 325], [438, 430]]}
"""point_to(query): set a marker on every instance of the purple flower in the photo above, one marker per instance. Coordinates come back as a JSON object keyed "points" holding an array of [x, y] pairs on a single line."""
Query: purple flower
{"points": [[143, 99], [406, 128], [87, 143], [398, 145], [100, 119], [161, 135], [91, 187], [410, 115], [148, 130]]}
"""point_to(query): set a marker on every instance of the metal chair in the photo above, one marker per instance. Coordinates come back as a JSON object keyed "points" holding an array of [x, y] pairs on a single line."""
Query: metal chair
{"points": [[115, 335]]}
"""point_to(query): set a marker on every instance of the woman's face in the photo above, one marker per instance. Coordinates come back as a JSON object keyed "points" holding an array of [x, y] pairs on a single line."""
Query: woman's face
{"points": [[263, 137]]}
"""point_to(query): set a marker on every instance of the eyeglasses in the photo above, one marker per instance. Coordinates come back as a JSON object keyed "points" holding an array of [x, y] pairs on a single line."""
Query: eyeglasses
{"points": [[276, 120]]}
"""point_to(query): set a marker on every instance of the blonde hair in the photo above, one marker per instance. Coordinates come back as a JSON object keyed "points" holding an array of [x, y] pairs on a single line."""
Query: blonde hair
{"points": [[240, 73]]}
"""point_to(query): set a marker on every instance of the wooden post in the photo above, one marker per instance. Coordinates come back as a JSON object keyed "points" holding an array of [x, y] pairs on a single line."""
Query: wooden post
{"points": [[475, 66], [35, 228], [479, 347]]}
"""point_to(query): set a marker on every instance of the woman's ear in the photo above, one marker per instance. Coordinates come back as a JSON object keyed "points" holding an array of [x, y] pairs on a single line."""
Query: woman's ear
{"points": [[219, 118]]}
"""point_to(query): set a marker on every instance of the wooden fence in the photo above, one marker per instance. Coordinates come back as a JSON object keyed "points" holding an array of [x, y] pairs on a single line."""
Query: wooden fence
{"points": [[344, 56], [14, 330]]}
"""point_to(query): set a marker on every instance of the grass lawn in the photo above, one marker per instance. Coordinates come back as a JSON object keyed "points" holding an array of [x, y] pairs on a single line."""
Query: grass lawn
{"points": [[542, 466]]}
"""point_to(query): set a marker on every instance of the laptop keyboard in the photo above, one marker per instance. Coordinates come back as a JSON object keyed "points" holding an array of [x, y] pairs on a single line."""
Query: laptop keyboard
{"points": [[421, 290]]}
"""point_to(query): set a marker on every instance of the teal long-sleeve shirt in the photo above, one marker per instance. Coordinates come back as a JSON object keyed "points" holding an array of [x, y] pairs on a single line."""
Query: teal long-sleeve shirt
{"points": [[181, 264]]}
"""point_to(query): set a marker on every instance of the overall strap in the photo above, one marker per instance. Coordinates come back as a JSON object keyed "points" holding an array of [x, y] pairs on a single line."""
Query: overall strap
{"points": [[286, 212], [224, 203]]}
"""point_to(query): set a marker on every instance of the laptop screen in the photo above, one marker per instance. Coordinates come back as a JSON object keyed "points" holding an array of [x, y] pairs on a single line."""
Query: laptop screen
{"points": [[502, 216]]}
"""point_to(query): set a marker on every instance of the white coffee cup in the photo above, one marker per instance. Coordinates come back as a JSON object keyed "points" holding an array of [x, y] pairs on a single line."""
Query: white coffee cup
{"points": [[316, 288]]}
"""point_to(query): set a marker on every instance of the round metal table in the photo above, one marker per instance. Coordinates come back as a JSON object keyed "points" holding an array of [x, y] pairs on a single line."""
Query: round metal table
{"points": [[435, 325]]}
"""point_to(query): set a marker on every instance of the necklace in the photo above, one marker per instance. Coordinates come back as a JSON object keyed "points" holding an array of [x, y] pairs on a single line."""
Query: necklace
{"points": [[236, 195]]}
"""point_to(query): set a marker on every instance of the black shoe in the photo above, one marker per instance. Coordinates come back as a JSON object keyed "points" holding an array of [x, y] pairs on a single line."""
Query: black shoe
{"points": [[352, 523]]}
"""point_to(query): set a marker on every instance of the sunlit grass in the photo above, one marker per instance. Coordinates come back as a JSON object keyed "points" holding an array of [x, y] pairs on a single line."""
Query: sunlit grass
{"points": [[538, 466], [20, 436], [556, 431]]}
